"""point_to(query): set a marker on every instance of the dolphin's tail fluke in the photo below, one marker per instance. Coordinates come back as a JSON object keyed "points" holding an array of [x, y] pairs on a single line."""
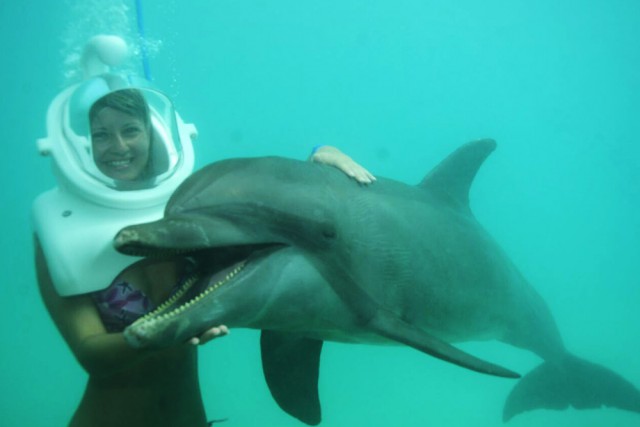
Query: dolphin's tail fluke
{"points": [[571, 382]]}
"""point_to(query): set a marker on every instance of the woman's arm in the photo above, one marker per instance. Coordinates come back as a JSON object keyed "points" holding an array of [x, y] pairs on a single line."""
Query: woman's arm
{"points": [[332, 156], [100, 353]]}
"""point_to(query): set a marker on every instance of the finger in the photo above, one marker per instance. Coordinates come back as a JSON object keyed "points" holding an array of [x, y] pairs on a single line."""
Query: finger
{"points": [[363, 176], [217, 331], [209, 335], [213, 333]]}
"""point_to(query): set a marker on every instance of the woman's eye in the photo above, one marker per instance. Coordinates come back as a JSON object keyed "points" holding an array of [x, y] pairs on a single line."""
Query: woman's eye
{"points": [[131, 132], [99, 137]]}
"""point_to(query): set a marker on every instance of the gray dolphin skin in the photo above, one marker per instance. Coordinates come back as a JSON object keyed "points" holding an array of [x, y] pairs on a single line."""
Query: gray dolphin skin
{"points": [[303, 253]]}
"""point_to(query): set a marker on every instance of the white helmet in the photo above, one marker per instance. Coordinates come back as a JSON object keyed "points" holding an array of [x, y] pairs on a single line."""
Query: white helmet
{"points": [[76, 221], [69, 143]]}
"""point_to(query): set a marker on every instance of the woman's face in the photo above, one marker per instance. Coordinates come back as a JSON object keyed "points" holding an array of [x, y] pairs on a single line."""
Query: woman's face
{"points": [[120, 144]]}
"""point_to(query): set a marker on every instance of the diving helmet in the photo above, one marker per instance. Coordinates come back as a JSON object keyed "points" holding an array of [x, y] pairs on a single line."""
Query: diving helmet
{"points": [[99, 194]]}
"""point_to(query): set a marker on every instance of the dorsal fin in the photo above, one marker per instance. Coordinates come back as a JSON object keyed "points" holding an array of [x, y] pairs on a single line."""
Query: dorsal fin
{"points": [[451, 179]]}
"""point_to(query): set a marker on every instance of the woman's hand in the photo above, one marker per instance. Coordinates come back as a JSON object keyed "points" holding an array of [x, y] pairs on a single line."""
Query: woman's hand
{"points": [[211, 334], [336, 158]]}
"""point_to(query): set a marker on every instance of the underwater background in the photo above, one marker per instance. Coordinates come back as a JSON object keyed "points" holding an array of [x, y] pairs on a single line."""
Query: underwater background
{"points": [[397, 85]]}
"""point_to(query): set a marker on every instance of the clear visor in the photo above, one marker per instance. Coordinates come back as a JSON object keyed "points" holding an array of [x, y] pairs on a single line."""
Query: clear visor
{"points": [[123, 133]]}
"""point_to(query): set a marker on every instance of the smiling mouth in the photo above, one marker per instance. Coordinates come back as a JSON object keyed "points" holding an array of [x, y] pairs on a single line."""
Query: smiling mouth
{"points": [[119, 164]]}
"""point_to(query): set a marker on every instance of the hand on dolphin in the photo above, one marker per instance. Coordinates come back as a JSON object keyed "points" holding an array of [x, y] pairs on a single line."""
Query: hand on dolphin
{"points": [[210, 334], [332, 156]]}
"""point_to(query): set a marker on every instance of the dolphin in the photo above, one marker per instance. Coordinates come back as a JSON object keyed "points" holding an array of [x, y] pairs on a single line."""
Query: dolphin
{"points": [[304, 254]]}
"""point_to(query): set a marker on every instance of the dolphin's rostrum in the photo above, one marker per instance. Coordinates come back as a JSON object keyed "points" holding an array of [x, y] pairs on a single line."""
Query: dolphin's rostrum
{"points": [[301, 252]]}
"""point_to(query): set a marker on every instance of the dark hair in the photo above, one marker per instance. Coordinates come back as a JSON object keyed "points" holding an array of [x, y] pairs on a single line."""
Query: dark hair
{"points": [[128, 101]]}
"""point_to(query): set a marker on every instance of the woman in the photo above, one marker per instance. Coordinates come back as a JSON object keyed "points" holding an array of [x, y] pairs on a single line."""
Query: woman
{"points": [[127, 386]]}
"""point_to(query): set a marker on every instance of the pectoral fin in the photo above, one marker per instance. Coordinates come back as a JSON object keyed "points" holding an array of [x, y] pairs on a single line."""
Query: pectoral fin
{"points": [[390, 326], [291, 367]]}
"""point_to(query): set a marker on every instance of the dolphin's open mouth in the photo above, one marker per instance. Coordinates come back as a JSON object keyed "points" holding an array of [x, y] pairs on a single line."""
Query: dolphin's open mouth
{"points": [[212, 269], [217, 267]]}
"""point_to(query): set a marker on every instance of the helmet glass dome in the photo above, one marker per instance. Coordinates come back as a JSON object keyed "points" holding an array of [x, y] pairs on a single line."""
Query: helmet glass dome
{"points": [[123, 133]]}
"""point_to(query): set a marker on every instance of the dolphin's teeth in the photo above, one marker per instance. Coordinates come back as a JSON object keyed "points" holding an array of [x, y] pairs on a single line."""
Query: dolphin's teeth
{"points": [[164, 312]]}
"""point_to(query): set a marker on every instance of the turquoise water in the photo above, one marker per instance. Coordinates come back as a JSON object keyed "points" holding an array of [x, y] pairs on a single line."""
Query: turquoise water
{"points": [[397, 85]]}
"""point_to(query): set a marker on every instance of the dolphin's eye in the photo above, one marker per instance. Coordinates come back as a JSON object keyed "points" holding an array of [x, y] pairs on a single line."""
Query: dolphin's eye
{"points": [[328, 231]]}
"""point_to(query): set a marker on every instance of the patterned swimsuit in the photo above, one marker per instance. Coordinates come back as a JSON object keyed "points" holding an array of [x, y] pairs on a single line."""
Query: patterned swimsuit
{"points": [[120, 305]]}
